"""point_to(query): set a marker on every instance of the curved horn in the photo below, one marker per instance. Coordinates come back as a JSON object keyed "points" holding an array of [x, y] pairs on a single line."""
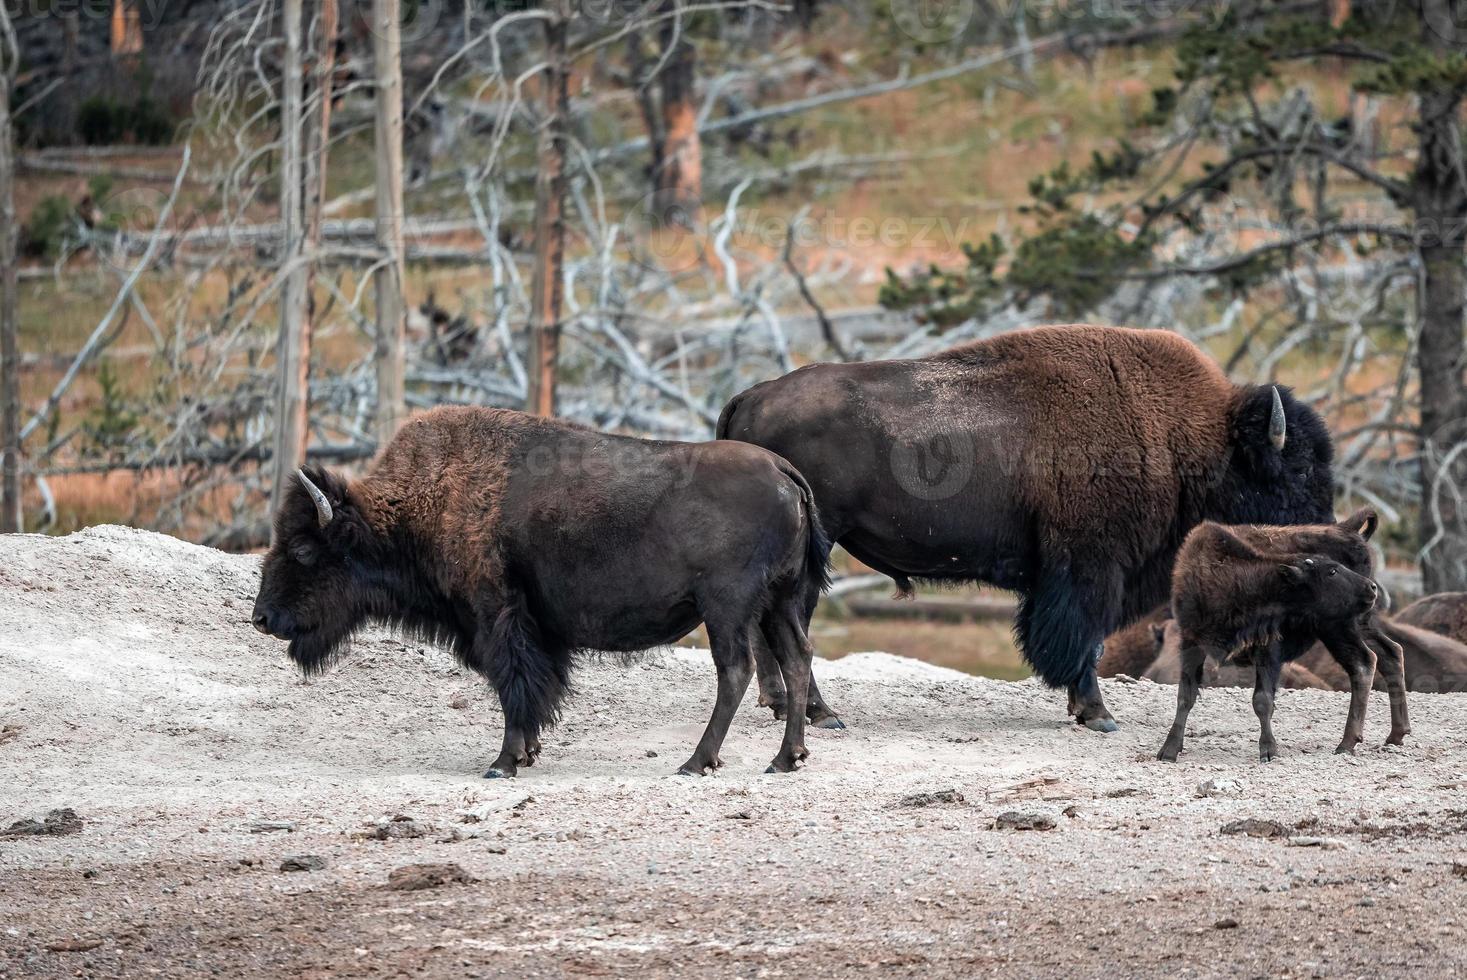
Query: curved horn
{"points": [[323, 506], [1278, 428]]}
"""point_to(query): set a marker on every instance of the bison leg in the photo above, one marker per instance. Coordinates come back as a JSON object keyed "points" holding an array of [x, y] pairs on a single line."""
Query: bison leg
{"points": [[771, 682], [1391, 663], [731, 659], [1359, 663], [1266, 666], [785, 636], [515, 752], [1193, 657], [530, 677], [1061, 628]]}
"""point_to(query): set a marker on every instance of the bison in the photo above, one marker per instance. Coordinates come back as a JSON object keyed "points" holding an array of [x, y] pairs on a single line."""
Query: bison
{"points": [[1232, 598], [1064, 463], [1444, 613], [519, 541], [1167, 668]]}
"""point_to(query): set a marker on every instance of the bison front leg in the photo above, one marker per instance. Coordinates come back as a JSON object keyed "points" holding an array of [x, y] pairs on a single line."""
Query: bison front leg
{"points": [[1060, 627], [516, 751], [1359, 663], [1188, 685], [730, 646], [1266, 667]]}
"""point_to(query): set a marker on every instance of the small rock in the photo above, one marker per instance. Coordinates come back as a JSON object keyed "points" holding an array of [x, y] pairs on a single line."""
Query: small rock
{"points": [[400, 827], [58, 823], [651, 754], [1124, 791], [1014, 820], [271, 826], [1459, 869], [1123, 679], [459, 701], [419, 877], [1225, 924], [1219, 787], [931, 799], [80, 944], [1327, 843], [1253, 827], [739, 815], [303, 862]]}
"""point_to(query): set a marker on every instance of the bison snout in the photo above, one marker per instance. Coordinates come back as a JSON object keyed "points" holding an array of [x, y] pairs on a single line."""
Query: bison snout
{"points": [[261, 621]]}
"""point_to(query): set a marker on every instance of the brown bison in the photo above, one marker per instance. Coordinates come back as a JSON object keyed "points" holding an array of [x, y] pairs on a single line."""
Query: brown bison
{"points": [[1167, 668], [1444, 613], [1231, 597], [1132, 649], [518, 541], [1064, 463]]}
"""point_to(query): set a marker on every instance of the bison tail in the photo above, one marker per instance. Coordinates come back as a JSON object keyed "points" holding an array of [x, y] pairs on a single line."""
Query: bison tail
{"points": [[1058, 633], [817, 541], [531, 676], [725, 417]]}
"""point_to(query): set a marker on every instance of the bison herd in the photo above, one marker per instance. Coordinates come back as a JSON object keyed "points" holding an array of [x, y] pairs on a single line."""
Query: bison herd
{"points": [[1098, 472]]}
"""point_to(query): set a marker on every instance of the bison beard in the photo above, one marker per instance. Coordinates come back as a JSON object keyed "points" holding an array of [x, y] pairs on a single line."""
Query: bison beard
{"points": [[517, 542], [1064, 463]]}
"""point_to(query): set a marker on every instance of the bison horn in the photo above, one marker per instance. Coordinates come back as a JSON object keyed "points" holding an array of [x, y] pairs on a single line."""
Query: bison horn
{"points": [[323, 506], [1278, 429]]}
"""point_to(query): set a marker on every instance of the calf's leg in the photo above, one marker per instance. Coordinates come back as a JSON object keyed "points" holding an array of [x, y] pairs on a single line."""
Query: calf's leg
{"points": [[1193, 656], [1391, 663], [730, 645], [1266, 667], [1358, 660]]}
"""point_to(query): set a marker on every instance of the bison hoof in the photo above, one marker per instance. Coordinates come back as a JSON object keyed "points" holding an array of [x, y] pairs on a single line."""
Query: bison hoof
{"points": [[788, 761], [697, 767], [1103, 724], [1397, 738], [498, 773], [1267, 755], [1168, 755], [827, 721], [1345, 748]]}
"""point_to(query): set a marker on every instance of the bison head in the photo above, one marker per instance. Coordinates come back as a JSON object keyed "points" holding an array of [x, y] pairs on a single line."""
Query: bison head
{"points": [[1326, 590], [316, 587], [1278, 469]]}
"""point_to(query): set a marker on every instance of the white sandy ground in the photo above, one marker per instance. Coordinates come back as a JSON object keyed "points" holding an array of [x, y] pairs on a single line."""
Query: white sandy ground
{"points": [[140, 697]]}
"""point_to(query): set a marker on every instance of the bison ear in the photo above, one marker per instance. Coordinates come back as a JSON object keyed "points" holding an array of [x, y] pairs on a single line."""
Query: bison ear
{"points": [[1158, 633], [1363, 522], [1291, 575]]}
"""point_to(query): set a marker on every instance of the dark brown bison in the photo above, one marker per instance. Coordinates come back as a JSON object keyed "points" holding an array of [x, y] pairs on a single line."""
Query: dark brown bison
{"points": [[1132, 649], [1064, 463], [1231, 598], [518, 541]]}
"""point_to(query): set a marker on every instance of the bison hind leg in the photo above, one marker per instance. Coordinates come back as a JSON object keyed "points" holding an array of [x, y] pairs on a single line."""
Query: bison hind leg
{"points": [[1061, 626]]}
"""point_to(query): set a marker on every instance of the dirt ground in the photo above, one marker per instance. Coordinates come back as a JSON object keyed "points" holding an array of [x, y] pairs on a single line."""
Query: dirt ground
{"points": [[133, 691]]}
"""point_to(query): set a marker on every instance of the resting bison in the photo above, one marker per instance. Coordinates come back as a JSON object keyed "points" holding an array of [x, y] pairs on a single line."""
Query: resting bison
{"points": [[1132, 650], [1064, 463], [1444, 613], [1230, 597], [518, 541]]}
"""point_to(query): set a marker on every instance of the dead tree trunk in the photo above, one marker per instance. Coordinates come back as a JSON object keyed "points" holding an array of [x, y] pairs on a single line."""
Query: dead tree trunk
{"points": [[10, 510], [293, 348], [391, 314], [679, 173], [545, 288], [1440, 203], [127, 28]]}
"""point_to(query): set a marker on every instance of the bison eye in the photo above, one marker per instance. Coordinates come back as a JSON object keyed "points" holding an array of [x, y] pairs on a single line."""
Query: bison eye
{"points": [[1333, 570], [304, 553]]}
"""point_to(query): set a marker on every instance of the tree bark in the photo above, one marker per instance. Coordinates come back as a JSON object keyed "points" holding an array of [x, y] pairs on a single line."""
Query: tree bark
{"points": [[1440, 203], [11, 518], [293, 347], [546, 288], [678, 175], [391, 313]]}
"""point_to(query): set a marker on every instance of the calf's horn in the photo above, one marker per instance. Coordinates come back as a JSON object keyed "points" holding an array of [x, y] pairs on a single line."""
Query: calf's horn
{"points": [[1278, 429], [323, 506]]}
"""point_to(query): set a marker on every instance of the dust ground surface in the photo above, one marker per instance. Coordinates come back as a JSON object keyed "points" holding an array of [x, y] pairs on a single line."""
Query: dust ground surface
{"points": [[133, 691]]}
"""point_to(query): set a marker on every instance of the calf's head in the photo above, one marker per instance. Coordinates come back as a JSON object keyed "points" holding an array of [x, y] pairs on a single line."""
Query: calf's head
{"points": [[318, 583], [1322, 589]]}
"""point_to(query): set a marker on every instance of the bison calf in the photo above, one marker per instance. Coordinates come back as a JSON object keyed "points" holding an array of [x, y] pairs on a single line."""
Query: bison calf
{"points": [[519, 541], [1230, 597]]}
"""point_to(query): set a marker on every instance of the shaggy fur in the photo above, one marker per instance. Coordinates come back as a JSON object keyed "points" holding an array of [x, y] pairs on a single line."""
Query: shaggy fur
{"points": [[1237, 595], [518, 541], [1444, 613], [1066, 463]]}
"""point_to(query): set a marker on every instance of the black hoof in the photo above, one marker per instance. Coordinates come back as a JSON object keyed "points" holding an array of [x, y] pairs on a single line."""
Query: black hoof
{"points": [[1165, 756], [497, 773], [1102, 724], [1344, 749], [829, 723], [1265, 757]]}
